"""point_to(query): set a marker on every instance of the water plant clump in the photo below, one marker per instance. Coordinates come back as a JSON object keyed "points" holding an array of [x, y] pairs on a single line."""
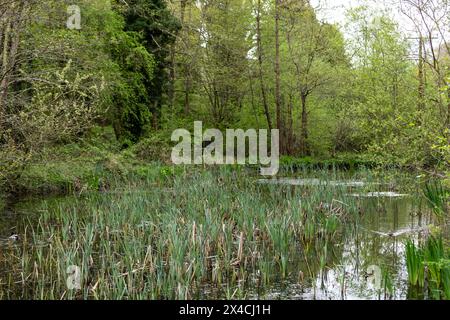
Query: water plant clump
{"points": [[215, 233], [437, 197], [201, 230], [428, 266]]}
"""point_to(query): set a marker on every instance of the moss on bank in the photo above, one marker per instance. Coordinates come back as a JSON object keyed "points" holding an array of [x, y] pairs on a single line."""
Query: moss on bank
{"points": [[94, 163]]}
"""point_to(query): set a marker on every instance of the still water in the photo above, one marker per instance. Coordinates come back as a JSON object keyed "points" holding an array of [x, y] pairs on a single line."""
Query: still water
{"points": [[371, 254]]}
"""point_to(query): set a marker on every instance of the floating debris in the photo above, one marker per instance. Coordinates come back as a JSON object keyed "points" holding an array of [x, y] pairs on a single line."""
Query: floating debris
{"points": [[398, 233], [311, 182], [380, 195], [14, 237], [7, 241]]}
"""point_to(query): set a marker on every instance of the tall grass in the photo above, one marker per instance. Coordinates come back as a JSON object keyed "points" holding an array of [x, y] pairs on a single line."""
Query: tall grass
{"points": [[179, 235], [437, 197], [428, 267], [414, 264]]}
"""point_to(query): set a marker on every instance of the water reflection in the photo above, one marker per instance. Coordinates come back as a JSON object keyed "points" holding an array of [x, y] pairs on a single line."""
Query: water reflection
{"points": [[339, 268], [347, 273]]}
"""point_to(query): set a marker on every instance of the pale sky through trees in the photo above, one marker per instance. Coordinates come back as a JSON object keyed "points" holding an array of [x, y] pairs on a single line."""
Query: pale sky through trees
{"points": [[334, 11]]}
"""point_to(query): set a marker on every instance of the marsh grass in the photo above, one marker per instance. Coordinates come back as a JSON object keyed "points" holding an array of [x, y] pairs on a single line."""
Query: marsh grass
{"points": [[429, 267], [415, 265], [437, 197], [181, 234]]}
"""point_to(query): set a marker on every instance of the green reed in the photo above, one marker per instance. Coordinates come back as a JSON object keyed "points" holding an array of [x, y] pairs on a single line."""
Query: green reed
{"points": [[428, 267], [215, 233], [437, 197]]}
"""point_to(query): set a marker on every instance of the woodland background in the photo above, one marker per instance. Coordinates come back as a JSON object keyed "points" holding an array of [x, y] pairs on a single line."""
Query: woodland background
{"points": [[109, 95]]}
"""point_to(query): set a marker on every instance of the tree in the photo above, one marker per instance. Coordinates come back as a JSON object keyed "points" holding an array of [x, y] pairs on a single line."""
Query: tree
{"points": [[278, 105], [158, 28], [315, 55], [57, 82], [259, 51], [131, 97], [431, 19], [223, 56], [393, 129], [13, 19]]}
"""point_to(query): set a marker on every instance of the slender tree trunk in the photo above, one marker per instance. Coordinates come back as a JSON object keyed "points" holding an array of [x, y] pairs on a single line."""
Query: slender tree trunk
{"points": [[187, 107], [290, 138], [277, 76], [304, 148], [13, 20], [187, 75], [260, 63], [172, 75], [252, 96], [421, 102], [5, 65], [448, 113]]}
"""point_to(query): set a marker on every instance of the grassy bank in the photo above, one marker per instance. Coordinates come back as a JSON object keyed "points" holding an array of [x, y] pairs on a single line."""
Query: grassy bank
{"points": [[97, 162], [91, 164]]}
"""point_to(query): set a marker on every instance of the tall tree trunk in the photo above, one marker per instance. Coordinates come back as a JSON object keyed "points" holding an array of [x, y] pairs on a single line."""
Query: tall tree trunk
{"points": [[252, 96], [12, 21], [290, 127], [421, 97], [172, 75], [304, 148], [5, 65], [187, 75], [277, 77], [187, 86], [260, 63], [448, 113]]}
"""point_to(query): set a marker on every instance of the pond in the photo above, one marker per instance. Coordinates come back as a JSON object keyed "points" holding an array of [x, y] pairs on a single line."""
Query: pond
{"points": [[371, 245], [218, 234]]}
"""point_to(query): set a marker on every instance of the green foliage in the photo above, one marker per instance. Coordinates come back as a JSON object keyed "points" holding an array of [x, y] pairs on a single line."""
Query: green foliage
{"points": [[131, 97], [61, 84], [438, 197], [157, 28], [414, 264], [389, 121], [357, 94], [71, 79], [430, 262], [173, 229], [155, 147]]}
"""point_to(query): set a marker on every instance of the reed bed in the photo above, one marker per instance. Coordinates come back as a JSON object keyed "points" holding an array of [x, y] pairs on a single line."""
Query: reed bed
{"points": [[215, 233], [428, 265]]}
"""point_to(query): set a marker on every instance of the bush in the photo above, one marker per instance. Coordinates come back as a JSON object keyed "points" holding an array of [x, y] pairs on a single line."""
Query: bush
{"points": [[154, 148]]}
